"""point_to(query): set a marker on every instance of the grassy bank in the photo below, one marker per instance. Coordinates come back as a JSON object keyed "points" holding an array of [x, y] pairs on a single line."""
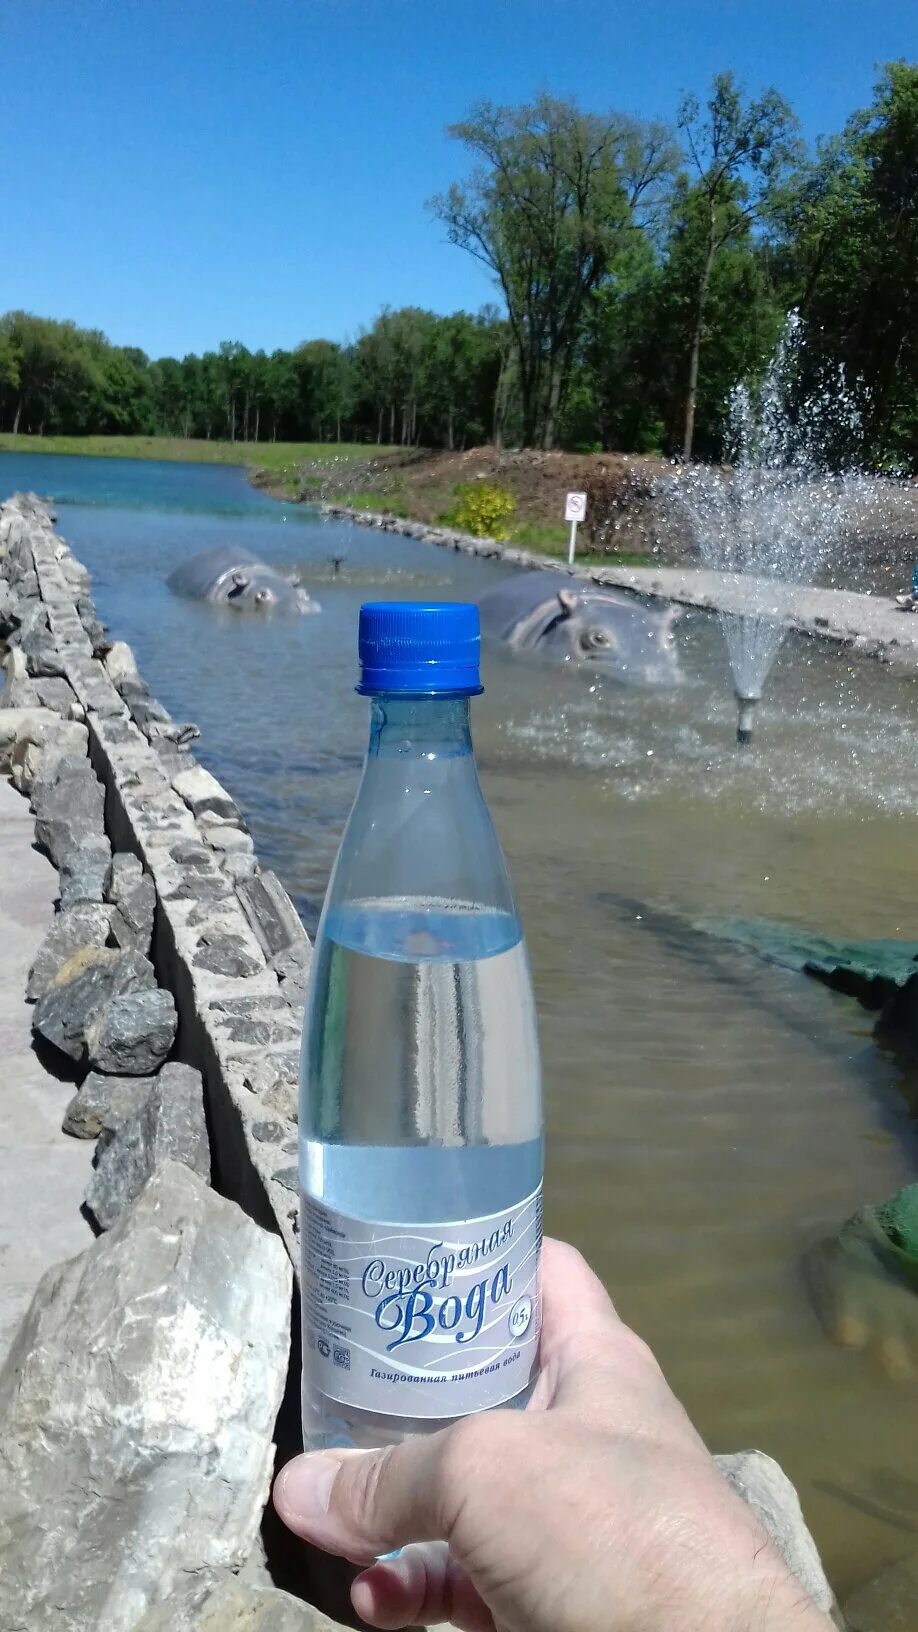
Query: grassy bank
{"points": [[545, 538], [266, 455]]}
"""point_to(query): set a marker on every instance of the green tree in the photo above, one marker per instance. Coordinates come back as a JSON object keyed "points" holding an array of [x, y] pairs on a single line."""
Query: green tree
{"points": [[856, 263], [742, 153], [551, 195]]}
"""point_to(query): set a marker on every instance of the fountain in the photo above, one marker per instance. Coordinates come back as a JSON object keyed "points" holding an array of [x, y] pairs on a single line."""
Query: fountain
{"points": [[771, 519]]}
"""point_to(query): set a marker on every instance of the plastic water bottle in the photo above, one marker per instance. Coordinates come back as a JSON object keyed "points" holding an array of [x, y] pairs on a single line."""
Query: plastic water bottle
{"points": [[420, 1114]]}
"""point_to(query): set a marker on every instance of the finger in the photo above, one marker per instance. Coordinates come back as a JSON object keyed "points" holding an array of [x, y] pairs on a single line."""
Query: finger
{"points": [[576, 1308], [359, 1504], [422, 1586]]}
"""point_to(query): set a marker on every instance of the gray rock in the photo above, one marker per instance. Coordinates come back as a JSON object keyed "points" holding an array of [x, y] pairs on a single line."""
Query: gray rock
{"points": [[120, 664], [84, 872], [261, 1033], [168, 1126], [225, 955], [38, 725], [90, 620], [232, 1605], [888, 1603], [191, 853], [127, 870], [200, 887], [18, 690], [269, 1133], [36, 748], [136, 1413], [274, 1081], [82, 988], [42, 654], [25, 764], [69, 815], [240, 865], [292, 969], [764, 1485], [227, 838], [134, 1032], [271, 914], [7, 608], [288, 1177], [203, 793], [71, 767], [79, 927], [103, 1102], [133, 893], [57, 695]]}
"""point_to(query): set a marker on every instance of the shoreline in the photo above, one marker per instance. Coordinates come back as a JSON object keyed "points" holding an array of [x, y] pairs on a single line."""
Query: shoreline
{"points": [[870, 626]]}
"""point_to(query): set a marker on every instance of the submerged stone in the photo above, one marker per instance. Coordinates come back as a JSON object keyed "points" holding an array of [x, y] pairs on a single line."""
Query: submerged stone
{"points": [[888, 1602], [871, 971], [864, 1284]]}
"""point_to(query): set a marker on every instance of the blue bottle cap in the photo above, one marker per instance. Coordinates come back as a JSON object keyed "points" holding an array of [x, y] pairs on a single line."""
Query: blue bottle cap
{"points": [[424, 647]]}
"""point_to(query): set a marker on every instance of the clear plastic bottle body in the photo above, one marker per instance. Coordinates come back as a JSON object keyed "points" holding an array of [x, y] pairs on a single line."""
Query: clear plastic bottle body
{"points": [[420, 1109]]}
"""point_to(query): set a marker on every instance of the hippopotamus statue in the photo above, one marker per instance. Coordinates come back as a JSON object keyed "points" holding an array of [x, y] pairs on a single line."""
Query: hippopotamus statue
{"points": [[572, 621], [232, 577]]}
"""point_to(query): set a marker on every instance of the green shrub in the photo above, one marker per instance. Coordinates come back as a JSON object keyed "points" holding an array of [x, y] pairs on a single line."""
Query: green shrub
{"points": [[483, 509]]}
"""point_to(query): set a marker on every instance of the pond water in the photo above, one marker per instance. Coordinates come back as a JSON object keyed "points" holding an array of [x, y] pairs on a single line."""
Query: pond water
{"points": [[708, 1116]]}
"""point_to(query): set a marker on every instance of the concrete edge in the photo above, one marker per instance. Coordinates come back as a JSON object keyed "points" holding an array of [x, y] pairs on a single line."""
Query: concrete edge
{"points": [[842, 617]]}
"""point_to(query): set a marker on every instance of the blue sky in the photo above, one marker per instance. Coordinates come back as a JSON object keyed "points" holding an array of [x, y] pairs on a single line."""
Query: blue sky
{"points": [[180, 172]]}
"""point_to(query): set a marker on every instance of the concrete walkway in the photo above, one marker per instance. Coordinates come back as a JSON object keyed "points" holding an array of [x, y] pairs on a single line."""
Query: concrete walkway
{"points": [[43, 1172], [872, 622]]}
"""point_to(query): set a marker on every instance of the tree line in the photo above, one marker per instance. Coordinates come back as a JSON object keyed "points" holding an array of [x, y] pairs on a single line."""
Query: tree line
{"points": [[642, 270]]}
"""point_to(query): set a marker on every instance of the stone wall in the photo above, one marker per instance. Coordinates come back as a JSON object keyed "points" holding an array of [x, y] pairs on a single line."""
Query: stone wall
{"points": [[140, 1401], [227, 942]]}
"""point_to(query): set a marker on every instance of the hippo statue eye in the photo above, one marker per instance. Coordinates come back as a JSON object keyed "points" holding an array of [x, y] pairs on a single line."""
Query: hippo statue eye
{"points": [[262, 596], [596, 639]]}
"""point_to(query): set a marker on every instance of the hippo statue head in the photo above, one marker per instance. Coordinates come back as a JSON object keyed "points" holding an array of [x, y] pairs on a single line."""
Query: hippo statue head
{"points": [[227, 576], [259, 588], [617, 634]]}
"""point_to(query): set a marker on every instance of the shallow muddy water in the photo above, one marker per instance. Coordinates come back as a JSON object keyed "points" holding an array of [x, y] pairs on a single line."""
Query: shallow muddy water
{"points": [[709, 1116]]}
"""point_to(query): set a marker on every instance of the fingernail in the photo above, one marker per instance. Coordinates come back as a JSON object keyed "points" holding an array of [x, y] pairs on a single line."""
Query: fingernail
{"points": [[305, 1485]]}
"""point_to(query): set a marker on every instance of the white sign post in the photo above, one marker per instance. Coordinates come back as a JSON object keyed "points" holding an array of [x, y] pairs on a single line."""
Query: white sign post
{"points": [[574, 511]]}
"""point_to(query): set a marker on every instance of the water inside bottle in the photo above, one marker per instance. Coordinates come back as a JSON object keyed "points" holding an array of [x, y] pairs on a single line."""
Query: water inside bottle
{"points": [[421, 1093]]}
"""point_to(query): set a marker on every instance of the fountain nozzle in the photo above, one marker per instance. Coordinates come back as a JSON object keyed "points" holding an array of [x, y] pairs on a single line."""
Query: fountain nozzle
{"points": [[746, 707]]}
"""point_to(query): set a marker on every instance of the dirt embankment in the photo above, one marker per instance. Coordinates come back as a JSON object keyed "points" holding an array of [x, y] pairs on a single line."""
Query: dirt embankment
{"points": [[422, 486], [628, 512]]}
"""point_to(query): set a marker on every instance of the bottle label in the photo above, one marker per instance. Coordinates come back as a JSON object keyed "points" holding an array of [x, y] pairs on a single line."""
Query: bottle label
{"points": [[422, 1320]]}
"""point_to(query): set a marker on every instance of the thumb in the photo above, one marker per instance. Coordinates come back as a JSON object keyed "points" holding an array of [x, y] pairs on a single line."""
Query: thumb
{"points": [[362, 1504]]}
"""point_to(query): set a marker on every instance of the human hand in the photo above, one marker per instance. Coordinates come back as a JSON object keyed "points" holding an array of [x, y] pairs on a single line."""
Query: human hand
{"points": [[597, 1507]]}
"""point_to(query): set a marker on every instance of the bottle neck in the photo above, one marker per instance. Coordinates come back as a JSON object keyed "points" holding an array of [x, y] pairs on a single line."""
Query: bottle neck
{"points": [[419, 728], [420, 828]]}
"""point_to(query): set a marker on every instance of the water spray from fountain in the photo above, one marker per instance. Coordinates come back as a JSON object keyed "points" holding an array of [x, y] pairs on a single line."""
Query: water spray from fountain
{"points": [[771, 520]]}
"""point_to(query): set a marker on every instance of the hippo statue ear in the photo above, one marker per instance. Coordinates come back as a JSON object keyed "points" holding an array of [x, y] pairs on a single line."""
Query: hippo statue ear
{"points": [[240, 579], [568, 601]]}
